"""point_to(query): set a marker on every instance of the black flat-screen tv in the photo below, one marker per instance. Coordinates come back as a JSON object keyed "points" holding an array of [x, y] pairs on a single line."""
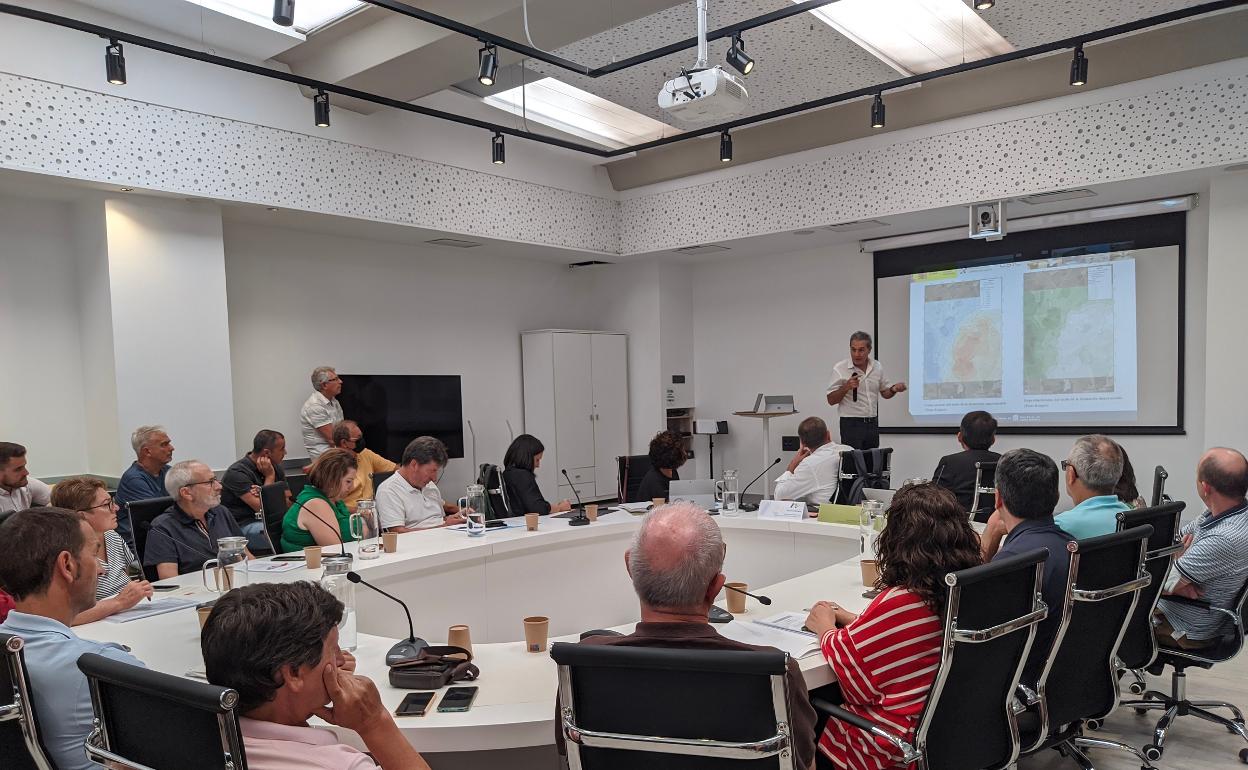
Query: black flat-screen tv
{"points": [[393, 409]]}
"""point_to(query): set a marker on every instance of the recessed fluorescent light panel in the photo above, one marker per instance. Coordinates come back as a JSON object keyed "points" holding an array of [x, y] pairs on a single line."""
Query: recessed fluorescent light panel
{"points": [[309, 14], [915, 36], [569, 109]]}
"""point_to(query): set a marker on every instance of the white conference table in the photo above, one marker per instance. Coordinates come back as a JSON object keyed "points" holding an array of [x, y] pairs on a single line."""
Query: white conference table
{"points": [[574, 575]]}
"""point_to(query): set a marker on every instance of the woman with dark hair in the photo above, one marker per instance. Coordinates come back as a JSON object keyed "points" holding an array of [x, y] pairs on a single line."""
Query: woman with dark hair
{"points": [[1126, 489], [886, 658], [523, 457], [667, 453]]}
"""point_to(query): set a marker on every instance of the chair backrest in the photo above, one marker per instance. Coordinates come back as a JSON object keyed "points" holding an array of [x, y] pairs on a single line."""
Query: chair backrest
{"points": [[1139, 644], [497, 499], [1159, 486], [1080, 678], [990, 621], [985, 497], [295, 482], [379, 477], [862, 469], [273, 504], [142, 513], [20, 743], [144, 718], [672, 709], [632, 469]]}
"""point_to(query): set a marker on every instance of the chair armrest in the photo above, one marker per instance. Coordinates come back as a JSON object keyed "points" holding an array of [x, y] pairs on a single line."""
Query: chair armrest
{"points": [[1176, 598], [909, 753]]}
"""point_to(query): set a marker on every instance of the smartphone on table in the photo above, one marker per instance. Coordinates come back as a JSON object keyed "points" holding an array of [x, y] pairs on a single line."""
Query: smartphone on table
{"points": [[457, 699], [415, 704]]}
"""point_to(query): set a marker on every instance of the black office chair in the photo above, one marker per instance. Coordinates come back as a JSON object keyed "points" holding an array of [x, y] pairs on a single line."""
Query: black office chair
{"points": [[1139, 643], [672, 709], [1159, 486], [142, 514], [1079, 680], [864, 469], [20, 743], [497, 497], [984, 470], [991, 614], [273, 506], [197, 725], [631, 470], [379, 477], [1176, 704], [295, 482]]}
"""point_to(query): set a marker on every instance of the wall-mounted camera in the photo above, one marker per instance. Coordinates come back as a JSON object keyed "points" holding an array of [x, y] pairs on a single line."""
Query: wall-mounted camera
{"points": [[988, 221]]}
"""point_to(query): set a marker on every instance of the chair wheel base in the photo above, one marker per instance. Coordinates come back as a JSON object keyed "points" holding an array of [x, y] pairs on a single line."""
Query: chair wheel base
{"points": [[1141, 712], [1243, 756], [1152, 753], [1136, 688], [1092, 724]]}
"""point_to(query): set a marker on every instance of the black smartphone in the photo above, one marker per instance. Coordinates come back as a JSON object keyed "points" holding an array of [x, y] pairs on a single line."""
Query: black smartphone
{"points": [[495, 524], [457, 699], [414, 704], [289, 557], [165, 588]]}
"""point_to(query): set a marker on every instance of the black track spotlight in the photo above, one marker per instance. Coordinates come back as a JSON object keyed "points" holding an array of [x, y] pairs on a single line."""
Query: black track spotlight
{"points": [[1079, 67], [877, 111], [321, 107], [115, 63], [487, 65], [737, 56], [283, 12], [983, 5], [725, 147], [498, 149]]}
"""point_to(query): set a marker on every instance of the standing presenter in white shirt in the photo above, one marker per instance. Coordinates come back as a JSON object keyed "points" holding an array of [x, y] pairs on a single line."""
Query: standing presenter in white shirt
{"points": [[858, 383]]}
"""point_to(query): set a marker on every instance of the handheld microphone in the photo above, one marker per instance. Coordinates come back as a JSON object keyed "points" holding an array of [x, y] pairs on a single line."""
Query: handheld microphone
{"points": [[341, 546], [852, 374], [766, 600], [580, 519], [409, 647], [751, 506]]}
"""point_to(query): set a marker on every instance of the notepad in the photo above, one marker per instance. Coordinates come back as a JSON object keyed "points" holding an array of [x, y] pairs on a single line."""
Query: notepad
{"points": [[831, 513]]}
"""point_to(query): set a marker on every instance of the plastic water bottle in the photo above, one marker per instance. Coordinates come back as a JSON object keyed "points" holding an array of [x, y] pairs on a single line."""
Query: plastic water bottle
{"points": [[334, 580]]}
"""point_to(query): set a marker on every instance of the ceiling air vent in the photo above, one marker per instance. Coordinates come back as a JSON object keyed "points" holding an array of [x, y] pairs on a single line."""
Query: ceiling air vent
{"points": [[453, 243], [1056, 196], [857, 224], [706, 248]]}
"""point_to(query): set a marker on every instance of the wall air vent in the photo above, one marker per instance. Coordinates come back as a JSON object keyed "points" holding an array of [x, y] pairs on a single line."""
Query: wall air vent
{"points": [[706, 248], [857, 224], [1056, 196], [453, 243], [589, 263]]}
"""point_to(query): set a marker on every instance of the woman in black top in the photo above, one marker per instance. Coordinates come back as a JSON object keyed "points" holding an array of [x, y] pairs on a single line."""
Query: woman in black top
{"points": [[523, 457], [667, 453]]}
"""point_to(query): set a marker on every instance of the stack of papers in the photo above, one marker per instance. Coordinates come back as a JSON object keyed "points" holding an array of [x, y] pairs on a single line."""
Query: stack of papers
{"points": [[782, 631], [146, 609], [273, 566]]}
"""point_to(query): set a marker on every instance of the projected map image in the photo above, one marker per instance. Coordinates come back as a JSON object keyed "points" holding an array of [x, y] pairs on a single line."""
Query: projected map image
{"points": [[1068, 331], [962, 340]]}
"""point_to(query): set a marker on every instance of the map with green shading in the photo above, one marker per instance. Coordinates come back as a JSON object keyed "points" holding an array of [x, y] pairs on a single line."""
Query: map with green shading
{"points": [[1068, 331]]}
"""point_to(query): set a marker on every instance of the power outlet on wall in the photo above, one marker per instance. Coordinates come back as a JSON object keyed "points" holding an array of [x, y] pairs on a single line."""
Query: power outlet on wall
{"points": [[789, 443]]}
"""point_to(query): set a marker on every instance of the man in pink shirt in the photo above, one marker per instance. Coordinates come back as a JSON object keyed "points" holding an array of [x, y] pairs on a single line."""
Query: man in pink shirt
{"points": [[277, 645]]}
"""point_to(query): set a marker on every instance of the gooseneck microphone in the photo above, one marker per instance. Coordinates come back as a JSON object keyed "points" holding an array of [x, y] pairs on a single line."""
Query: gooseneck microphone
{"points": [[580, 519], [752, 506], [341, 546], [766, 600], [407, 648]]}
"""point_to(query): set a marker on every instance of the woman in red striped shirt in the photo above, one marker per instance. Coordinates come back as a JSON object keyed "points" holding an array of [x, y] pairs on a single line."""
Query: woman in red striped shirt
{"points": [[886, 658]]}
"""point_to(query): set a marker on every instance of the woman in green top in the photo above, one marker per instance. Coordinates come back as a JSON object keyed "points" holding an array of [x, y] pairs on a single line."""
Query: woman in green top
{"points": [[310, 521]]}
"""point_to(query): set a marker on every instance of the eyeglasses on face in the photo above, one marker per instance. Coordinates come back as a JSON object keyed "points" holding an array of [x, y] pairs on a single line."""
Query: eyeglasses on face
{"points": [[213, 480]]}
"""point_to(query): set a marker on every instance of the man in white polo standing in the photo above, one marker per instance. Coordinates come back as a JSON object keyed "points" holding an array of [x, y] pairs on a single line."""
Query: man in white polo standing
{"points": [[321, 411], [857, 385]]}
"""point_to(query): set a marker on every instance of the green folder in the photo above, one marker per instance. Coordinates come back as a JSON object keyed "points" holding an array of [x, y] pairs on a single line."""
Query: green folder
{"points": [[830, 513]]}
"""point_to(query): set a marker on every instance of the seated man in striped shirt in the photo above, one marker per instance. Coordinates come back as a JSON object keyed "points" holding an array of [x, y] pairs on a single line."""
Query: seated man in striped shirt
{"points": [[1214, 563], [676, 564], [886, 658]]}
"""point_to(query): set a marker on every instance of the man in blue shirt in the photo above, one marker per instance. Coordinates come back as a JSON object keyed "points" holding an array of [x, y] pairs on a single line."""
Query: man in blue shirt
{"points": [[49, 562], [1026, 484], [145, 478], [1092, 473]]}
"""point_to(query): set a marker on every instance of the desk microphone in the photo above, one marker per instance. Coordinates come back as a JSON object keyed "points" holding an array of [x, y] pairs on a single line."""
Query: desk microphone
{"points": [[761, 599], [341, 546], [408, 648], [751, 506], [580, 519]]}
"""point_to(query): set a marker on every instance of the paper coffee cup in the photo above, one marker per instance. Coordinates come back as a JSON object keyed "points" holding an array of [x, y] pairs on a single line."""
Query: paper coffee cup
{"points": [[459, 636], [312, 556], [536, 629], [390, 542], [657, 501], [736, 600], [870, 572], [591, 511], [531, 521], [203, 610]]}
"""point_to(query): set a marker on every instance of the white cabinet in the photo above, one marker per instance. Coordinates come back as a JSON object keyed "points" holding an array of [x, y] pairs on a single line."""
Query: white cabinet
{"points": [[576, 403]]}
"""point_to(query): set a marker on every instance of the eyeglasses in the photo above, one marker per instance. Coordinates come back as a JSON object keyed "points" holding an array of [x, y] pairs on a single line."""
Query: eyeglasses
{"points": [[1068, 464], [108, 504], [213, 480]]}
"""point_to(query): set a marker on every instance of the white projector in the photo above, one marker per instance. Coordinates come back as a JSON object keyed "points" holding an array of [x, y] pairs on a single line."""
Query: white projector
{"points": [[708, 94]]}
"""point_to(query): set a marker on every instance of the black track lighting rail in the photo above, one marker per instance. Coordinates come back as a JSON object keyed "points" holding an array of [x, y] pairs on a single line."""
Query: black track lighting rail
{"points": [[879, 88], [581, 69]]}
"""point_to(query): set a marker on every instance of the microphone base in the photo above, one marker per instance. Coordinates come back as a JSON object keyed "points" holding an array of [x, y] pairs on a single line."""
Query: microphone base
{"points": [[748, 506], [405, 650], [579, 520]]}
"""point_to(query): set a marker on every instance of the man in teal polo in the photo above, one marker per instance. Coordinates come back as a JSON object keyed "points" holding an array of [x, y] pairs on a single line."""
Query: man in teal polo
{"points": [[1092, 471]]}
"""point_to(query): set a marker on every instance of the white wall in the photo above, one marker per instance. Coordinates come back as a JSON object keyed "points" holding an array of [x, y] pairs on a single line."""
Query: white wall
{"points": [[298, 300], [784, 339], [1227, 368], [41, 390], [105, 455]]}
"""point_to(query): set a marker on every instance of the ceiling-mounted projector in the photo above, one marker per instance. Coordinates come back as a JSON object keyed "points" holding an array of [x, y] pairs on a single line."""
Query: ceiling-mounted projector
{"points": [[703, 93], [709, 94]]}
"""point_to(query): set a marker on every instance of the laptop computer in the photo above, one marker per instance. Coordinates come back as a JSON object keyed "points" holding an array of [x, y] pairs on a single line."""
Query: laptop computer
{"points": [[697, 491], [882, 495]]}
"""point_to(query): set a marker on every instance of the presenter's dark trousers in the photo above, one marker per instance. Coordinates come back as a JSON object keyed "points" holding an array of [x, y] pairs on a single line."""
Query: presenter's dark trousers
{"points": [[860, 432]]}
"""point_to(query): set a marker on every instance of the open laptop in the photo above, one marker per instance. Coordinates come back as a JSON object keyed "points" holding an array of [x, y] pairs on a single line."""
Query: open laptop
{"points": [[882, 495], [697, 491]]}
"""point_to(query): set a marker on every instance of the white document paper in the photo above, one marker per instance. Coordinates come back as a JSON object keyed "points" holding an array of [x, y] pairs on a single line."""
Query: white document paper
{"points": [[790, 510], [798, 644], [636, 507], [265, 565], [146, 609]]}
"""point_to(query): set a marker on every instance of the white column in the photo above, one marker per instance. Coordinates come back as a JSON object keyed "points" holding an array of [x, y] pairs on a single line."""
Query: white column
{"points": [[1226, 366]]}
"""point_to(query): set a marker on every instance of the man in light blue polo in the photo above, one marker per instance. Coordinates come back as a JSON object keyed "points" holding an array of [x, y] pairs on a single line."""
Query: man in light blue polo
{"points": [[1092, 471], [49, 562]]}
